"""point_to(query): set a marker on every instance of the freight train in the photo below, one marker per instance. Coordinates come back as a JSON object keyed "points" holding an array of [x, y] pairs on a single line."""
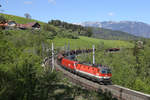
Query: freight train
{"points": [[97, 73]]}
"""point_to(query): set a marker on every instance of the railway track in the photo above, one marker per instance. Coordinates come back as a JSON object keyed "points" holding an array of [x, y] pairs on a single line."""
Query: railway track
{"points": [[117, 91]]}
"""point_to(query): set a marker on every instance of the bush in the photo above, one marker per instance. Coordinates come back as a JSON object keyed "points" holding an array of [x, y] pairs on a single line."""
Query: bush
{"points": [[2, 19], [50, 28]]}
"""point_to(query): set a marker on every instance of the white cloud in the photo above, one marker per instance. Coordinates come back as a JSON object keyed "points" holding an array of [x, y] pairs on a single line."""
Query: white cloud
{"points": [[52, 1], [6, 1], [111, 14], [28, 2]]}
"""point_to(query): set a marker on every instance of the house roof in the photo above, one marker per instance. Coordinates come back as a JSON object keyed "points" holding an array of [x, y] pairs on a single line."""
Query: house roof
{"points": [[28, 25], [3, 25], [6, 23], [9, 21]]}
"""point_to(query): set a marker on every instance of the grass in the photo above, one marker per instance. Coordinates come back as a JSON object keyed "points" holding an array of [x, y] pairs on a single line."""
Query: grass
{"points": [[20, 20], [86, 42]]}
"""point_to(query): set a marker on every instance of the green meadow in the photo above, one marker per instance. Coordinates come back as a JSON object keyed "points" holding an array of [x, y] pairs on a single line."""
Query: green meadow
{"points": [[20, 20], [87, 42]]}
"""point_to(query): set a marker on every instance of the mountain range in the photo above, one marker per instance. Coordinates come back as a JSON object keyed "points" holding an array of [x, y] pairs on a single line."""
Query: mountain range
{"points": [[132, 27]]}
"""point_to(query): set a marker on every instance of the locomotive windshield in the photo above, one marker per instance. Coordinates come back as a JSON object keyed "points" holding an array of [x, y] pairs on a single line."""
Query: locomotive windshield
{"points": [[106, 71]]}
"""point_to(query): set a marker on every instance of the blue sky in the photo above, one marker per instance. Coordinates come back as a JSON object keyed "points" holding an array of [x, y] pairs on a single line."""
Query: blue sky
{"points": [[80, 10]]}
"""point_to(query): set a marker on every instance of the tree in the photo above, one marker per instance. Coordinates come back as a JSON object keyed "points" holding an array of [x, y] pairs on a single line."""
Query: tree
{"points": [[89, 32], [1, 10], [27, 15], [2, 19]]}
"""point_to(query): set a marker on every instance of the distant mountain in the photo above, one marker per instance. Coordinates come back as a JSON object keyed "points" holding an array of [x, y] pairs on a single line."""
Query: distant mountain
{"points": [[132, 27], [112, 35]]}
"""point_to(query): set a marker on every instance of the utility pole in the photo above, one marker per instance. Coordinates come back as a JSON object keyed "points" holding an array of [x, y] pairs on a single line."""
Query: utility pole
{"points": [[75, 54], [93, 54], [52, 57], [65, 48], [43, 49], [68, 50]]}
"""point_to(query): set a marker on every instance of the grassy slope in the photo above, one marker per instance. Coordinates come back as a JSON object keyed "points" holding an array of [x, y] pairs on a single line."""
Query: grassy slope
{"points": [[86, 42], [20, 20]]}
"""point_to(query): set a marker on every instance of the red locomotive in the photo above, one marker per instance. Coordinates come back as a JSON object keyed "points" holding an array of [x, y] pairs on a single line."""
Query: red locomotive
{"points": [[96, 73]]}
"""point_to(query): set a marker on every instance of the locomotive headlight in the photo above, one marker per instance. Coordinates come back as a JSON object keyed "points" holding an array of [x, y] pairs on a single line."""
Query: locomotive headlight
{"points": [[106, 77]]}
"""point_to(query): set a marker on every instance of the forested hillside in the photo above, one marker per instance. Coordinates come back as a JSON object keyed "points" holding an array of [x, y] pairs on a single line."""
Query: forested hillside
{"points": [[113, 35], [80, 30]]}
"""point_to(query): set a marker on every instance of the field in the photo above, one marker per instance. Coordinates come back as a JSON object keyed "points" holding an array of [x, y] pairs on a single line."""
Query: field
{"points": [[20, 20], [86, 42]]}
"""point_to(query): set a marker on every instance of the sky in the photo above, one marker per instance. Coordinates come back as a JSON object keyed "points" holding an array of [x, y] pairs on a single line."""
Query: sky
{"points": [[80, 10]]}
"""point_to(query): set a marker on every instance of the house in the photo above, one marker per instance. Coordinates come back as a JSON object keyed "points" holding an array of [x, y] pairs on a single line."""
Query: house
{"points": [[11, 23], [21, 26], [8, 25], [33, 25], [3, 25], [140, 44]]}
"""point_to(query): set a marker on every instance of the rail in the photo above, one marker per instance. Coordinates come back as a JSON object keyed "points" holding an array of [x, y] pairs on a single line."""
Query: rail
{"points": [[117, 91]]}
